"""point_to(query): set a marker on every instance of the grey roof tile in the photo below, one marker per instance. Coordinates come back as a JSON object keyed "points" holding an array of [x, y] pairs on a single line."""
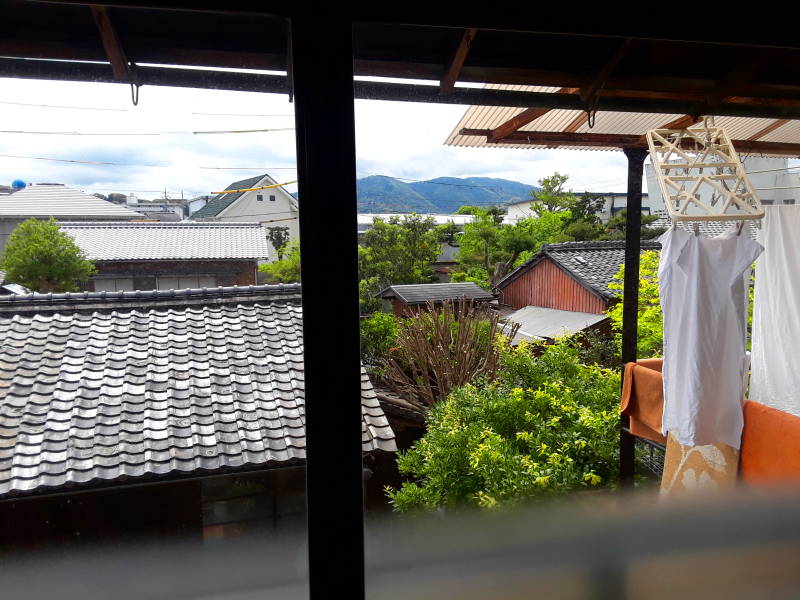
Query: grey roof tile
{"points": [[61, 201], [592, 263], [222, 201], [86, 399], [112, 241], [435, 292]]}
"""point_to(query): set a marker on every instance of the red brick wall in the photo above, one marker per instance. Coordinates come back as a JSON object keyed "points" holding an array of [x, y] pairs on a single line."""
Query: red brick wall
{"points": [[547, 285]]}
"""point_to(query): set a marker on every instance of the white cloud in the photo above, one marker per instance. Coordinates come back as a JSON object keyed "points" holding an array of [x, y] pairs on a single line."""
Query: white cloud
{"points": [[393, 138]]}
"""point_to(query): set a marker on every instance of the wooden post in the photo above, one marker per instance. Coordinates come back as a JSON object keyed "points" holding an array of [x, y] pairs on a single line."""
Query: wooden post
{"points": [[322, 73], [630, 296]]}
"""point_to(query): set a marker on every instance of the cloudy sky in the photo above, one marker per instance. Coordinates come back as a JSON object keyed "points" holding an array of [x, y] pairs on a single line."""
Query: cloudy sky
{"points": [[393, 138]]}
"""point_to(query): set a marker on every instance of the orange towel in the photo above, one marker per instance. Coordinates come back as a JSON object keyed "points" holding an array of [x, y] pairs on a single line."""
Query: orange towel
{"points": [[770, 451], [643, 398]]}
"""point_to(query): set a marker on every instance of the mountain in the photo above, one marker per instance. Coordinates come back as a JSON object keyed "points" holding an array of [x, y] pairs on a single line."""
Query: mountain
{"points": [[443, 195], [378, 193]]}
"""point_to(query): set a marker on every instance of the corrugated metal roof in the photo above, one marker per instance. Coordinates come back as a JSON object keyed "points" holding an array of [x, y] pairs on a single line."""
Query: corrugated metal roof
{"points": [[491, 117], [145, 385], [169, 241], [56, 200], [421, 293], [538, 322]]}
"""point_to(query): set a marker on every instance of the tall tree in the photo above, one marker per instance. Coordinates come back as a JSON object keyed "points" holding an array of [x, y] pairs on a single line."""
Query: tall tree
{"points": [[278, 237], [39, 256], [551, 195], [397, 251], [616, 226], [287, 268]]}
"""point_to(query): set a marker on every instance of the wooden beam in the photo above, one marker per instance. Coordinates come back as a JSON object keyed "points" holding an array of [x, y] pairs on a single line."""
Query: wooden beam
{"points": [[108, 35], [598, 80], [526, 116], [768, 129], [451, 74], [577, 123], [681, 122], [616, 140]]}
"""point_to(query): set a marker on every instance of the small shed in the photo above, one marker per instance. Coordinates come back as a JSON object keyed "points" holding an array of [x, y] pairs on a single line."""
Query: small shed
{"points": [[408, 299]]}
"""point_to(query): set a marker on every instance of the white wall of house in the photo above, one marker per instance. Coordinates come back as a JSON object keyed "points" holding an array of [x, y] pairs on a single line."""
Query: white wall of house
{"points": [[767, 185], [613, 202], [273, 207]]}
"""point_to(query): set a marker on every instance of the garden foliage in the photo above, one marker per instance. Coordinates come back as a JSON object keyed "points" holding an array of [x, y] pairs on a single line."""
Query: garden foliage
{"points": [[43, 258], [547, 425]]}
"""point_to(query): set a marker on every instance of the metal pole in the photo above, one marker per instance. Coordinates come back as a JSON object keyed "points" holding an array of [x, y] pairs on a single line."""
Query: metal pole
{"points": [[322, 68], [630, 296]]}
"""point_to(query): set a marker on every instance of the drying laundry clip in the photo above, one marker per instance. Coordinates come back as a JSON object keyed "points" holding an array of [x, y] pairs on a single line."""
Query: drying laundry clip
{"points": [[700, 175], [696, 228], [739, 227]]}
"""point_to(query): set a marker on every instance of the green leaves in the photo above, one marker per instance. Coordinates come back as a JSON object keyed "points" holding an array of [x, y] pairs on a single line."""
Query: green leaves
{"points": [[547, 425], [287, 269], [396, 251], [41, 257], [651, 324]]}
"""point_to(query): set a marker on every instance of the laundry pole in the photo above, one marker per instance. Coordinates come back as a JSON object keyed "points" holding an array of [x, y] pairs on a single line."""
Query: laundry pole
{"points": [[630, 294]]}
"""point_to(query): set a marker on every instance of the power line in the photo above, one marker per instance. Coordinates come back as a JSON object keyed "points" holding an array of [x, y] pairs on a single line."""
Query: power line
{"points": [[62, 106], [117, 164], [132, 133]]}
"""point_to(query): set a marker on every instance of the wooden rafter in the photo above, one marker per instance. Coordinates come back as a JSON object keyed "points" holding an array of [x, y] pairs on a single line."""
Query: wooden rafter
{"points": [[768, 129], [526, 116], [111, 43], [599, 79], [616, 140], [454, 69]]}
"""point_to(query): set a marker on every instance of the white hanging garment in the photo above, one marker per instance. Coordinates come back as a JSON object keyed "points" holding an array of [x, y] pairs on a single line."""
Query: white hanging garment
{"points": [[775, 376], [703, 285]]}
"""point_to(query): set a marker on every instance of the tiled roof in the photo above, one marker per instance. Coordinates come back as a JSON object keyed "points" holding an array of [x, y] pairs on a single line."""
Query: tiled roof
{"points": [[592, 263], [706, 228], [222, 201], [435, 292], [60, 201], [169, 241], [96, 387]]}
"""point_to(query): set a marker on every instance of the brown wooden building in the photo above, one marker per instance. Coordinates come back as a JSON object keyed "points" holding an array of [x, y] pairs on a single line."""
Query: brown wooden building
{"points": [[573, 276]]}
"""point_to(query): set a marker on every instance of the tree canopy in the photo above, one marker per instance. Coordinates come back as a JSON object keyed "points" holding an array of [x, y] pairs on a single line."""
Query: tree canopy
{"points": [[398, 251], [41, 257], [287, 268]]}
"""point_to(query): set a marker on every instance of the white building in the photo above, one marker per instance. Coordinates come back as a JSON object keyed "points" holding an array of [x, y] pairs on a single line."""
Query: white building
{"points": [[613, 202], [270, 206], [770, 178]]}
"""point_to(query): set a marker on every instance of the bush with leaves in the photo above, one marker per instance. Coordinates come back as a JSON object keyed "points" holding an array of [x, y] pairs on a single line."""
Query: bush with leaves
{"points": [[650, 339], [441, 348], [548, 425], [287, 269], [41, 257], [378, 335]]}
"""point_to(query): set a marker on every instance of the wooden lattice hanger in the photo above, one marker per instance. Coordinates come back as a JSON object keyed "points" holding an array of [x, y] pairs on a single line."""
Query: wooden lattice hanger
{"points": [[701, 158]]}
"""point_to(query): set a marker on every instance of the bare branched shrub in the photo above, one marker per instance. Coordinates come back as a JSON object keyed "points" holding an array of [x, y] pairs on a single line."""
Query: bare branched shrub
{"points": [[442, 348]]}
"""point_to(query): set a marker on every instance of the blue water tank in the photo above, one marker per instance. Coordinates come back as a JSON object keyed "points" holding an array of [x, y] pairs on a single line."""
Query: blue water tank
{"points": [[18, 184]]}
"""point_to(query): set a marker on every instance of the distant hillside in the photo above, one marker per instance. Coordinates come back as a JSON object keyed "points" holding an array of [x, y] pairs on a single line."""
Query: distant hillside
{"points": [[379, 193]]}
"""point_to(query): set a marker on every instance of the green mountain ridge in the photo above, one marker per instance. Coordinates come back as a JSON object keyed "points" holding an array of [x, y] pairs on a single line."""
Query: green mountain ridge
{"points": [[443, 195]]}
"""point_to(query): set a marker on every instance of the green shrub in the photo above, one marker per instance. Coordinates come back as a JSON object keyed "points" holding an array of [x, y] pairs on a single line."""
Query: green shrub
{"points": [[378, 335], [547, 425]]}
